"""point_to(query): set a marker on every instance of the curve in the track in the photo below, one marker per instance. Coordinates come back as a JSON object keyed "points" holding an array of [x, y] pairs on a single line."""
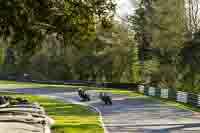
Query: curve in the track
{"points": [[129, 114]]}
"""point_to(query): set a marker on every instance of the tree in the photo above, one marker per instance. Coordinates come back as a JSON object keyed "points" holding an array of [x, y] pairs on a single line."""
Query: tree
{"points": [[192, 15], [160, 29], [1, 58], [24, 24], [30, 21], [108, 57], [189, 66]]}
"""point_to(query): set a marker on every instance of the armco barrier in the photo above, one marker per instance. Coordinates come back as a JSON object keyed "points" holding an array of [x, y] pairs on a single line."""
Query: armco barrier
{"points": [[119, 85], [193, 99], [179, 96], [129, 86], [182, 97], [198, 102], [146, 91], [172, 94], [158, 92], [152, 91], [141, 89], [164, 93]]}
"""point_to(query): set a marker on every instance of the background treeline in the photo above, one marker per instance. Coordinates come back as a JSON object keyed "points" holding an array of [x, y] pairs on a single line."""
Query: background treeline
{"points": [[157, 44], [64, 40], [168, 36]]}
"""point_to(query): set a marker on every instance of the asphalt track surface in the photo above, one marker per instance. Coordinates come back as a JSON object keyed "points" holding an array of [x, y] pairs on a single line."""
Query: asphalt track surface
{"points": [[127, 114]]}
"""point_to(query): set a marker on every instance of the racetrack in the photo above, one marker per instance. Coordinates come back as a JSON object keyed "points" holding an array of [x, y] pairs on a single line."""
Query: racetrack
{"points": [[127, 114]]}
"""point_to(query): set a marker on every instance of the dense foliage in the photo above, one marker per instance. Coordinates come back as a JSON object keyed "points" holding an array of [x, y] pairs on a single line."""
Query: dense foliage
{"points": [[25, 24], [168, 43], [107, 57], [81, 40], [65, 39]]}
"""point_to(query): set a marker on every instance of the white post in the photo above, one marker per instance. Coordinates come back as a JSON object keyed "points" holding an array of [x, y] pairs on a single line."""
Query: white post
{"points": [[182, 97], [164, 93], [152, 91], [198, 101], [141, 89]]}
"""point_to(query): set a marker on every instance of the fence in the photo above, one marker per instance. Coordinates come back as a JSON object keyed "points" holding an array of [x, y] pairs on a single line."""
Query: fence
{"points": [[179, 96]]}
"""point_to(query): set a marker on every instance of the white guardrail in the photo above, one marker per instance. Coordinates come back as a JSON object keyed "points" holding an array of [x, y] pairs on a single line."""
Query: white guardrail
{"points": [[179, 96]]}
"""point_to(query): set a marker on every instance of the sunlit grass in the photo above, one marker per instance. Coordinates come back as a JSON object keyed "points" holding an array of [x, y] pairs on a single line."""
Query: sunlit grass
{"points": [[69, 118]]}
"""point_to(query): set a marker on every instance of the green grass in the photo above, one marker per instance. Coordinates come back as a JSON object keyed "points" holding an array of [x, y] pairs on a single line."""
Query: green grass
{"points": [[69, 118]]}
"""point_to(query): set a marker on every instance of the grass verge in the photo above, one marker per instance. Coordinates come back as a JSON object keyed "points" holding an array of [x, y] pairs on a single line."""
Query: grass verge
{"points": [[69, 118]]}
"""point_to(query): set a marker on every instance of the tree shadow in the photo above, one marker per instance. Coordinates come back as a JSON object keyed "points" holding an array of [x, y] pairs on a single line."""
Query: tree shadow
{"points": [[38, 90]]}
